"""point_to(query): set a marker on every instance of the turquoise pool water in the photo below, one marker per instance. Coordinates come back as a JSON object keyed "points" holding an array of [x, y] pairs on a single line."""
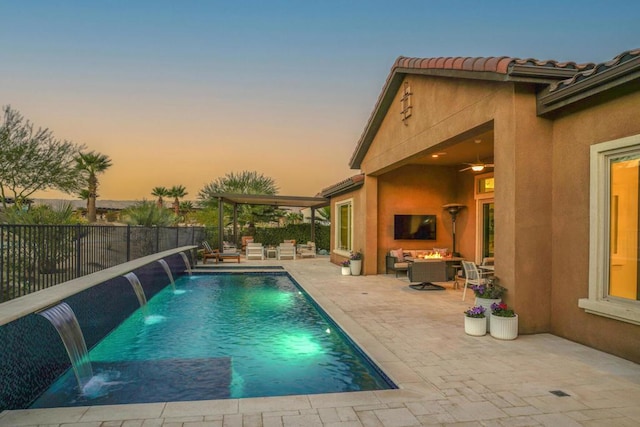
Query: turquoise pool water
{"points": [[221, 336]]}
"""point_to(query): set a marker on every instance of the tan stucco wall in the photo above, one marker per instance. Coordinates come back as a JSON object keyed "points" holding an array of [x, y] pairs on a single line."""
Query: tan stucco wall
{"points": [[572, 137], [522, 155], [442, 110]]}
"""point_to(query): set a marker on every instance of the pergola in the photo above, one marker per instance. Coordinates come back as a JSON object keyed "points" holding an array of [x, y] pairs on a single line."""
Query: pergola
{"points": [[268, 200]]}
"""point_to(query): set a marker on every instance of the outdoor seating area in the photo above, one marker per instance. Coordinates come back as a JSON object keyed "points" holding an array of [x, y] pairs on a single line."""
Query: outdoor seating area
{"points": [[256, 251]]}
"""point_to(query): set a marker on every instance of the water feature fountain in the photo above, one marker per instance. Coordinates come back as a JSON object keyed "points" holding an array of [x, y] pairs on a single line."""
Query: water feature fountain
{"points": [[186, 262], [164, 265], [62, 317], [137, 288]]}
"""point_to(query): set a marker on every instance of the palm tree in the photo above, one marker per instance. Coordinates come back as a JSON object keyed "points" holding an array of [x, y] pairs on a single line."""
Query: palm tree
{"points": [[245, 182], [177, 192], [160, 192], [90, 164], [148, 214]]}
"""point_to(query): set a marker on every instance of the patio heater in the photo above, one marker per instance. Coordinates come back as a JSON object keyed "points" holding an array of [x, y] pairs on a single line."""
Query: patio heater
{"points": [[453, 209]]}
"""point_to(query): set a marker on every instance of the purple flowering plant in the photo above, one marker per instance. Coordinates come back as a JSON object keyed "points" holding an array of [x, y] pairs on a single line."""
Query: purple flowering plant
{"points": [[477, 311], [346, 263], [491, 289]]}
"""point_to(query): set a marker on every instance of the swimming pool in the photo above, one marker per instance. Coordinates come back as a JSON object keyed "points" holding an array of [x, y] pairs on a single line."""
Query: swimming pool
{"points": [[220, 336]]}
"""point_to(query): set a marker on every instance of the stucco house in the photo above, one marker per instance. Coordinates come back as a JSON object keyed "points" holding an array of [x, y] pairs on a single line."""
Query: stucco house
{"points": [[553, 195]]}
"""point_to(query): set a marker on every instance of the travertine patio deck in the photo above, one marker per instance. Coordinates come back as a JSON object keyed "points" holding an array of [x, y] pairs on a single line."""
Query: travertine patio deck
{"points": [[445, 377]]}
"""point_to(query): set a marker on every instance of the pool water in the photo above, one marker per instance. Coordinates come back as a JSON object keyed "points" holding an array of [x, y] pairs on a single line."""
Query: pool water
{"points": [[221, 336]]}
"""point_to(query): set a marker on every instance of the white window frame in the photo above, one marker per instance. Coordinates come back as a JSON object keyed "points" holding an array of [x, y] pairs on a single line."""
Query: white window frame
{"points": [[599, 302], [337, 250]]}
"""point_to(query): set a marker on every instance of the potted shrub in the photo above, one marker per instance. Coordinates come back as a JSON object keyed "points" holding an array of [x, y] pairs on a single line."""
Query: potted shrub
{"points": [[346, 269], [475, 321], [504, 322], [356, 263], [488, 294]]}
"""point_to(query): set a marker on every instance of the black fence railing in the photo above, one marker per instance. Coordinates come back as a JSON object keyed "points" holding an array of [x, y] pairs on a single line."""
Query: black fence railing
{"points": [[34, 257]]}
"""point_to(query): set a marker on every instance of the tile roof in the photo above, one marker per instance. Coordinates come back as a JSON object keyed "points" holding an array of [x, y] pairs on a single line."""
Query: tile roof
{"points": [[343, 186], [495, 64], [623, 58]]}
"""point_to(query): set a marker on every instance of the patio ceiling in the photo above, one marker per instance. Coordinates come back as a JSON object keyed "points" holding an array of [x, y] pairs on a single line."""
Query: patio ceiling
{"points": [[466, 149]]}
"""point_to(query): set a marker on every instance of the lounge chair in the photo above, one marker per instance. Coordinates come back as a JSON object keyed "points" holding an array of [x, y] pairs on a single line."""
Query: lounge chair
{"points": [[254, 251], [217, 255], [208, 252], [286, 250]]}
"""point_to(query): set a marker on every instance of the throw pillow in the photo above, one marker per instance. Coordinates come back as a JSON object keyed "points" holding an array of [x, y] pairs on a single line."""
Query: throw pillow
{"points": [[398, 254]]}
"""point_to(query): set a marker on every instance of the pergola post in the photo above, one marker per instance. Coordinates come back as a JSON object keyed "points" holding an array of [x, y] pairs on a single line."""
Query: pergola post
{"points": [[313, 224], [235, 223], [220, 223]]}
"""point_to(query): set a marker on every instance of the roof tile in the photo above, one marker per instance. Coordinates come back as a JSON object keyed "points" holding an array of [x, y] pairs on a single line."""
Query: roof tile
{"points": [[495, 64], [596, 69]]}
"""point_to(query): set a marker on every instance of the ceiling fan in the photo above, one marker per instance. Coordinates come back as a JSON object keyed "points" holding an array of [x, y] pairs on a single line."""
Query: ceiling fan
{"points": [[477, 167]]}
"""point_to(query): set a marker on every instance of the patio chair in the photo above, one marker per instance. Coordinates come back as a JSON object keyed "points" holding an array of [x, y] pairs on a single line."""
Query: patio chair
{"points": [[308, 250], [245, 240], [254, 251], [286, 250], [472, 276]]}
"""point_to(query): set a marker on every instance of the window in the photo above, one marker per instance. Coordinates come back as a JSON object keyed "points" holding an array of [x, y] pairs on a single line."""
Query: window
{"points": [[614, 282], [484, 193], [344, 226]]}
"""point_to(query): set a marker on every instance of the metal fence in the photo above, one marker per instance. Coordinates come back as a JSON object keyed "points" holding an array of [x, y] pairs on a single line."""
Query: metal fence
{"points": [[34, 257]]}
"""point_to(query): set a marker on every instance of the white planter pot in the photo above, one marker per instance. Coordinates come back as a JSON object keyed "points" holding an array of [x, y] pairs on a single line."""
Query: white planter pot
{"points": [[504, 328], [486, 303], [356, 267], [475, 326], [346, 271]]}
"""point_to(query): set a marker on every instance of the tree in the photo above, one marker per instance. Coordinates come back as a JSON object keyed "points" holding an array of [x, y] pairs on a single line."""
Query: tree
{"points": [[148, 214], [33, 160], [244, 182], [90, 165], [177, 192], [160, 192]]}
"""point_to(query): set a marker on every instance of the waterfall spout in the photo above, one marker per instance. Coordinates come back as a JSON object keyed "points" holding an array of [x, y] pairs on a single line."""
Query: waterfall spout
{"points": [[137, 288], [186, 262], [63, 318], [164, 265]]}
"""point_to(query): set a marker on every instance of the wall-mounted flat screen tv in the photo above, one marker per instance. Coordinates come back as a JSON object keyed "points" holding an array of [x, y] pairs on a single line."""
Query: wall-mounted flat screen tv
{"points": [[414, 227]]}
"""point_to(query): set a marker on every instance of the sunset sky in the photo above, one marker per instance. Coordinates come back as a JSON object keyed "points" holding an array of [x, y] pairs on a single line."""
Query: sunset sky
{"points": [[184, 92]]}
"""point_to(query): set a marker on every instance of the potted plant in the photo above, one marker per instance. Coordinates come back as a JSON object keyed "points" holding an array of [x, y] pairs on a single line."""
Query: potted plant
{"points": [[488, 294], [356, 263], [504, 322], [475, 321], [346, 269]]}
